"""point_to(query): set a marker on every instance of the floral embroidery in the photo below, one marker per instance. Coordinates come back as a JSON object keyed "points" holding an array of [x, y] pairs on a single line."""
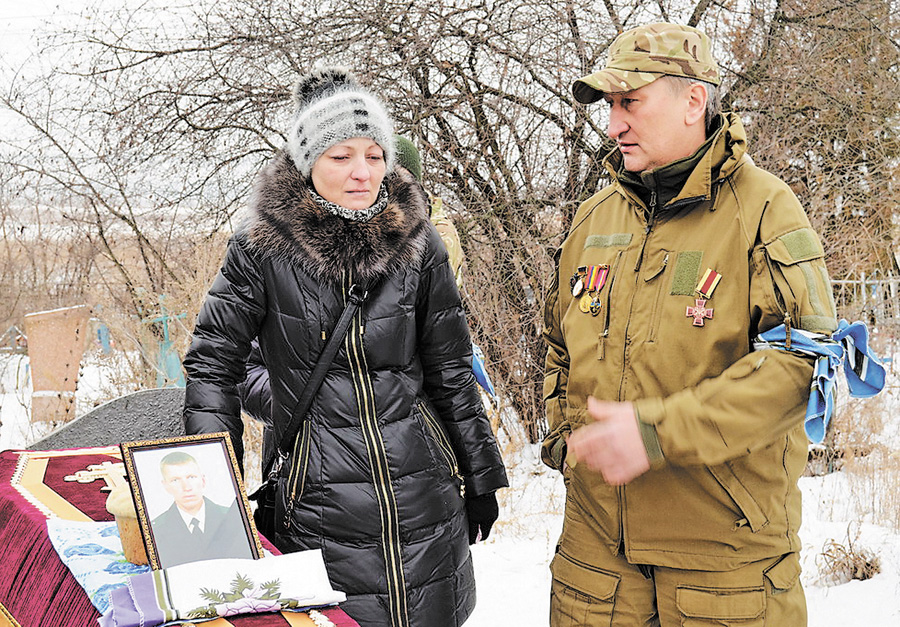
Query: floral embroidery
{"points": [[244, 597]]}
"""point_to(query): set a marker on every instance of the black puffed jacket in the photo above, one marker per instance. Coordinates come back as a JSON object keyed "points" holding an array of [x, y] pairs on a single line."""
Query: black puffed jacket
{"points": [[397, 433]]}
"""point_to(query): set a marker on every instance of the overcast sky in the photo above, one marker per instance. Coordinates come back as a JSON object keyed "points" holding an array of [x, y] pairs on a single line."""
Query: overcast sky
{"points": [[22, 20]]}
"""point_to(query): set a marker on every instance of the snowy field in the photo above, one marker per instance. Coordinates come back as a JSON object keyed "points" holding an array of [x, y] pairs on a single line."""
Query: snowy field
{"points": [[512, 565]]}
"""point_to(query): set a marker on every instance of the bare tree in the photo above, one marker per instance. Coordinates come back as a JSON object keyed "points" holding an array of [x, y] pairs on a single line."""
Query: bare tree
{"points": [[158, 143], [818, 85]]}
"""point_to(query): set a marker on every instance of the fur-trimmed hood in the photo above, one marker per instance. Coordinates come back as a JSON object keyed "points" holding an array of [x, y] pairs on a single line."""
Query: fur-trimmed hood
{"points": [[286, 221]]}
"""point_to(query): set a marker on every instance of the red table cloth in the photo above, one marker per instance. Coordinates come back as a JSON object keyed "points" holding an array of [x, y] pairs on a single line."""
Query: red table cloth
{"points": [[36, 588]]}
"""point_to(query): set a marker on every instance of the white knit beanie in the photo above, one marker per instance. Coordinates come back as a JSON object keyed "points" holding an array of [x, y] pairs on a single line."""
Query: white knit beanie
{"points": [[329, 107]]}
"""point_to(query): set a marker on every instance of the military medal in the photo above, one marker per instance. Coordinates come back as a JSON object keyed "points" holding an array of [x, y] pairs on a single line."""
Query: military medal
{"points": [[577, 286], [584, 304], [587, 282], [699, 312], [595, 277], [577, 281]]}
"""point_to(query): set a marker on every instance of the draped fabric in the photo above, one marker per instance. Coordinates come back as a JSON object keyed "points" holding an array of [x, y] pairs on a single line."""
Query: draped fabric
{"points": [[36, 588], [847, 349], [197, 591], [92, 551]]}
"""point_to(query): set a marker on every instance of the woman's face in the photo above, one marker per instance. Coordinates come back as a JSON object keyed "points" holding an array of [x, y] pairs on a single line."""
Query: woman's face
{"points": [[350, 173]]}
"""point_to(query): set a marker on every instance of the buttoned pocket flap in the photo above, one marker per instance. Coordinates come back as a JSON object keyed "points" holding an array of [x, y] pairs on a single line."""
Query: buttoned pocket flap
{"points": [[718, 604], [586, 579], [784, 574]]}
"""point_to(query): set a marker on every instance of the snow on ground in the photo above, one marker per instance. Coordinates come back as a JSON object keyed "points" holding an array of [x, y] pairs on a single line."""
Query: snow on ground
{"points": [[513, 577], [511, 567]]}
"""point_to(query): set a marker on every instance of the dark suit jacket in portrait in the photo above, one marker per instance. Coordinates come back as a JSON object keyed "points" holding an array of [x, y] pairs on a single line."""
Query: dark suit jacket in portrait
{"points": [[224, 536]]}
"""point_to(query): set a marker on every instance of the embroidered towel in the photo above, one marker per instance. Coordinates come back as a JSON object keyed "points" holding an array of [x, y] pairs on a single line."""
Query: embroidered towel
{"points": [[93, 553], [200, 591]]}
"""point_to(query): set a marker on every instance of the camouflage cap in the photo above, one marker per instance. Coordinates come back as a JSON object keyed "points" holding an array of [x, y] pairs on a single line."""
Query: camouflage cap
{"points": [[639, 56]]}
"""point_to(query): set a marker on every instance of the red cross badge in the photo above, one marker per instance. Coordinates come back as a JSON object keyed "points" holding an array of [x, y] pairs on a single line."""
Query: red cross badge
{"points": [[699, 312]]}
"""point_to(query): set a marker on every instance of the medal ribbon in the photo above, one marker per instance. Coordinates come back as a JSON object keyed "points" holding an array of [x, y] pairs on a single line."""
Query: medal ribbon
{"points": [[596, 277], [708, 283]]}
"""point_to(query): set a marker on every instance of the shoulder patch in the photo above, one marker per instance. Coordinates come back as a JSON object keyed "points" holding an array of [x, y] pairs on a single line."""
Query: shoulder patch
{"points": [[608, 241], [821, 298], [798, 245]]}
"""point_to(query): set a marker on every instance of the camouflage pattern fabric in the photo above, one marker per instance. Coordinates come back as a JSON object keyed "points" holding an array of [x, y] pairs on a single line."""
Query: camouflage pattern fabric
{"points": [[449, 235], [639, 56]]}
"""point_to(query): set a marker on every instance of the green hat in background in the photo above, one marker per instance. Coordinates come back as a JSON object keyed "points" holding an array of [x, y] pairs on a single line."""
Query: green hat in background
{"points": [[408, 156], [639, 56]]}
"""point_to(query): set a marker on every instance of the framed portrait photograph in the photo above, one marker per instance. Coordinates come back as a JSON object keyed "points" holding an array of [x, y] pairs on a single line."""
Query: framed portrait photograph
{"points": [[189, 499]]}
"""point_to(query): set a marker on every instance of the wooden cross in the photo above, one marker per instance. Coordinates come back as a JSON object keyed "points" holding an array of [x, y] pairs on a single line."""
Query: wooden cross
{"points": [[112, 473], [699, 312]]}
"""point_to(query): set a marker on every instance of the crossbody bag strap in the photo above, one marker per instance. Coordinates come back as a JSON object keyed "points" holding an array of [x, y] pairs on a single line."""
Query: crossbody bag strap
{"points": [[357, 294]]}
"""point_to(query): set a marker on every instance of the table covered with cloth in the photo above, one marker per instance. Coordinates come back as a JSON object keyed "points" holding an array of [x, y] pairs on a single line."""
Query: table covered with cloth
{"points": [[36, 587]]}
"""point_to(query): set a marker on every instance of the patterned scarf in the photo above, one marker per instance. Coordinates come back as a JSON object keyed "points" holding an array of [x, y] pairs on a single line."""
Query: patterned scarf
{"points": [[357, 215]]}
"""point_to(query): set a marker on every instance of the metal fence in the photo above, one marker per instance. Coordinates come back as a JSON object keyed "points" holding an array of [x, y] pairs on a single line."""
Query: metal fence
{"points": [[875, 299]]}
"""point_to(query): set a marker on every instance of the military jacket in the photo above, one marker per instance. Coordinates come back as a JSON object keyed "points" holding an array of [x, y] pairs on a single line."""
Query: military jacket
{"points": [[722, 424]]}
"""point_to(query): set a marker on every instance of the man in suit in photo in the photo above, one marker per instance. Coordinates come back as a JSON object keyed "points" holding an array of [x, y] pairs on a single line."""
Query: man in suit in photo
{"points": [[194, 527]]}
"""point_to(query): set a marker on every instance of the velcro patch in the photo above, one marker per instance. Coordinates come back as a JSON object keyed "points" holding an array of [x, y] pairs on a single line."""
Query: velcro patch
{"points": [[800, 245], [608, 241], [687, 270], [821, 299]]}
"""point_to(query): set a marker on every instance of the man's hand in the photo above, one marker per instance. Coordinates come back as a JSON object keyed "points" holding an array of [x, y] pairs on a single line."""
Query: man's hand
{"points": [[612, 445]]}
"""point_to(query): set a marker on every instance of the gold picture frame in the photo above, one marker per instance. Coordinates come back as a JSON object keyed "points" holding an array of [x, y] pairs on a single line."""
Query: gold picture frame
{"points": [[190, 502]]}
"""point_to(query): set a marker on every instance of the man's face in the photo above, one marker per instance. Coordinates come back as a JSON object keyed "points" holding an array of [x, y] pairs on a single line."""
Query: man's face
{"points": [[650, 125], [185, 482]]}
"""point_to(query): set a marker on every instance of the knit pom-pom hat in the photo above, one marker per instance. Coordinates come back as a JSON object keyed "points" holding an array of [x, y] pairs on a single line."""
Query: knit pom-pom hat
{"points": [[329, 107]]}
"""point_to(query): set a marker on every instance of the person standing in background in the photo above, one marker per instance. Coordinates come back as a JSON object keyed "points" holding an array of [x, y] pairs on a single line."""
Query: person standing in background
{"points": [[408, 157]]}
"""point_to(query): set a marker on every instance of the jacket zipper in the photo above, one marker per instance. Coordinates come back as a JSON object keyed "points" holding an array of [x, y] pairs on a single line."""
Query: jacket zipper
{"points": [[620, 490], [650, 216], [657, 305], [443, 444], [652, 209], [299, 467], [381, 479]]}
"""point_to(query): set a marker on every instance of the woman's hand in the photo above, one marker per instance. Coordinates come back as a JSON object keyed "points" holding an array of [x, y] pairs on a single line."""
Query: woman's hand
{"points": [[482, 512]]}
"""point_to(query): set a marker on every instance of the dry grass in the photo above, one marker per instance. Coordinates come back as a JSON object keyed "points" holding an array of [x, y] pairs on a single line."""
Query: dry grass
{"points": [[840, 563], [115, 305]]}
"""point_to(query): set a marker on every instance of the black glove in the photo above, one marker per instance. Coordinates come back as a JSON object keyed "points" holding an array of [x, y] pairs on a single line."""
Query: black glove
{"points": [[482, 511]]}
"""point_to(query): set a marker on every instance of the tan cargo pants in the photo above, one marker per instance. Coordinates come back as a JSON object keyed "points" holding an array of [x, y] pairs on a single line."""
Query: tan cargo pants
{"points": [[594, 588]]}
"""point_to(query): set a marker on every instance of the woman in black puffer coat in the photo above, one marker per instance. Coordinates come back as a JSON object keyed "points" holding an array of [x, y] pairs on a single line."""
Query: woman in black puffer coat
{"points": [[398, 447]]}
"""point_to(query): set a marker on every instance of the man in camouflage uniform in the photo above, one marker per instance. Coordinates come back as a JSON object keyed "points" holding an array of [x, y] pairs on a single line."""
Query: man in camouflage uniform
{"points": [[449, 235], [408, 157], [680, 446]]}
